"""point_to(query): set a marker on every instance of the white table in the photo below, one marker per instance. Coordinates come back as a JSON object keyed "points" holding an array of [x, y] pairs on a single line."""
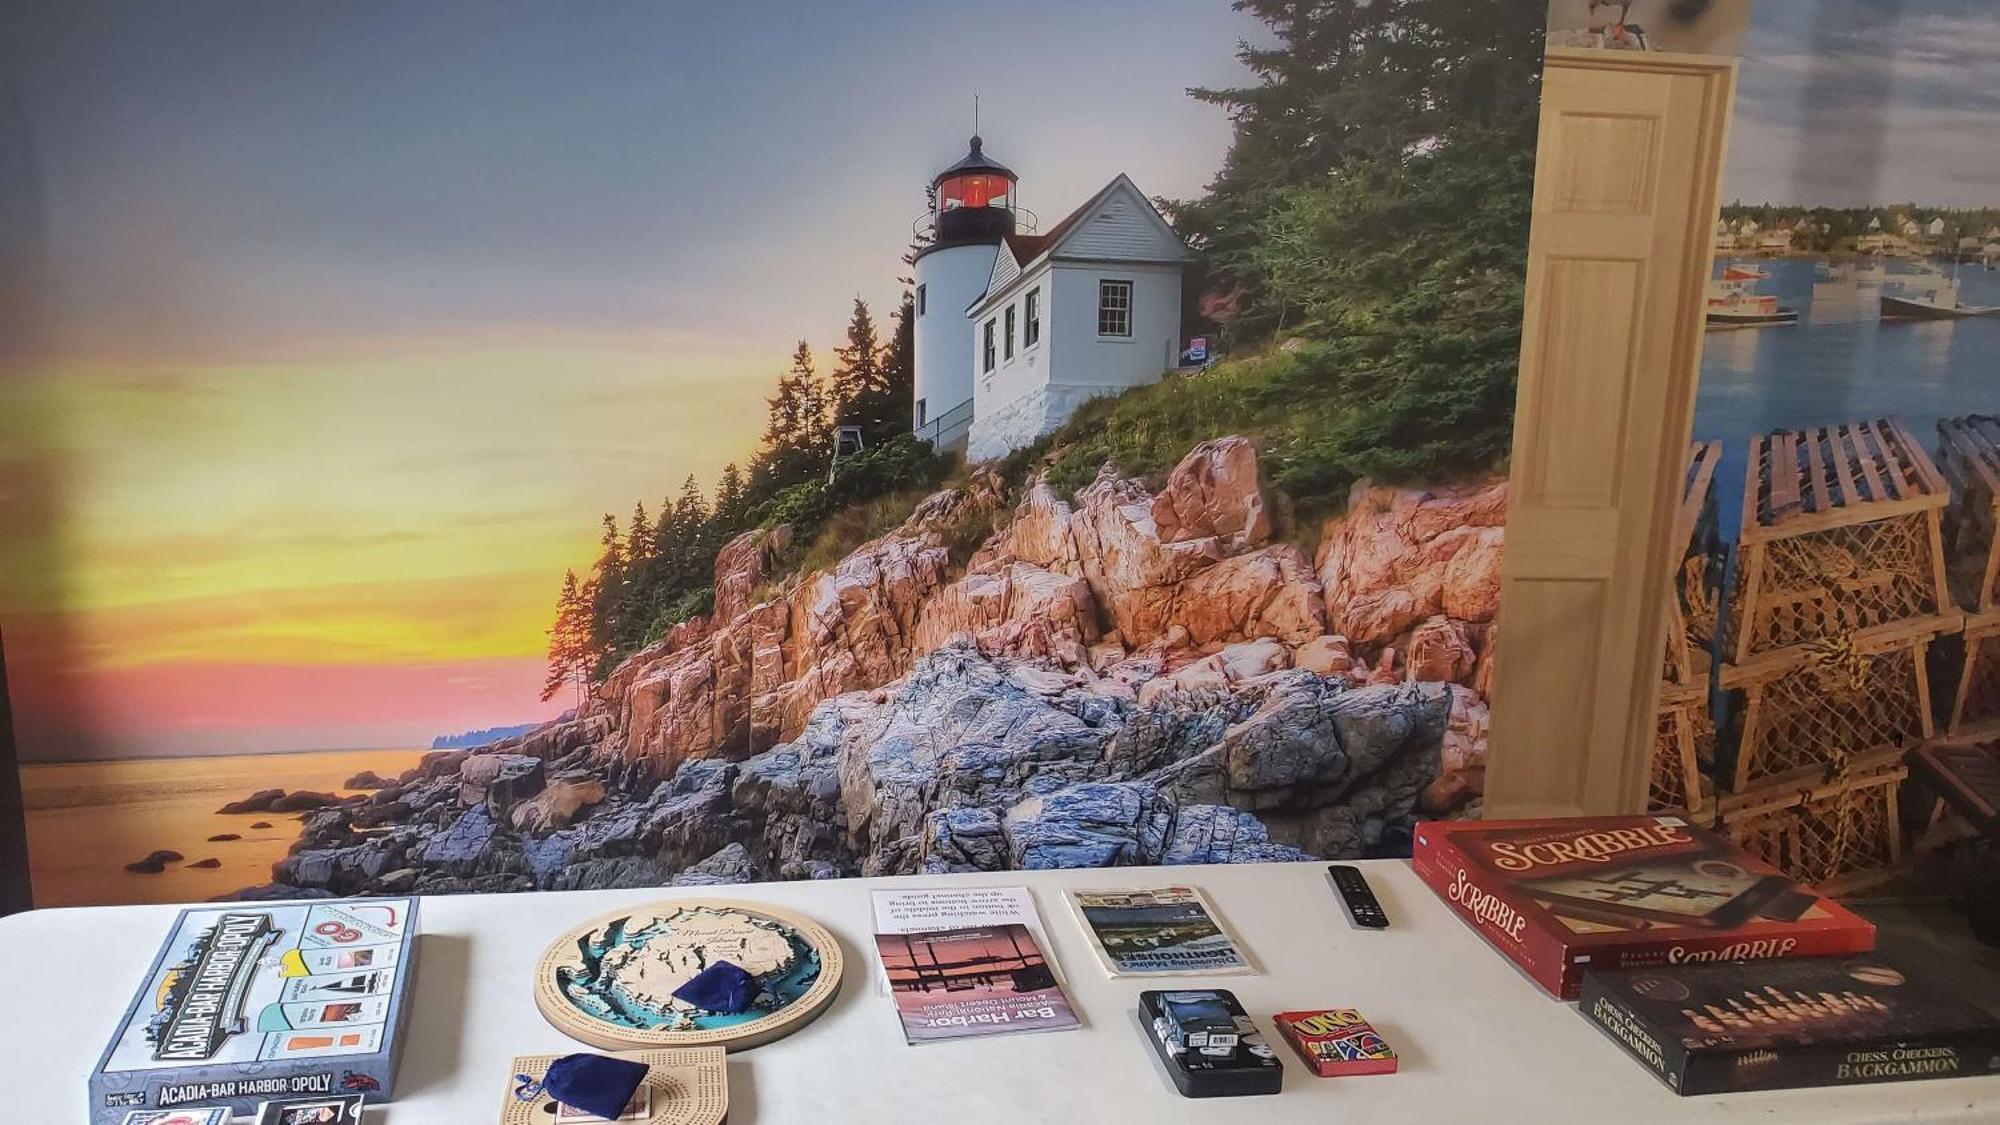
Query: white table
{"points": [[1479, 1042]]}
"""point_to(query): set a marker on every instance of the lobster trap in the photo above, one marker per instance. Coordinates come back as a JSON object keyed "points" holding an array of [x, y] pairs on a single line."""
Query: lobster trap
{"points": [[1683, 739], [1821, 706], [1684, 736], [1839, 836], [1975, 698], [1969, 456], [1841, 534]]}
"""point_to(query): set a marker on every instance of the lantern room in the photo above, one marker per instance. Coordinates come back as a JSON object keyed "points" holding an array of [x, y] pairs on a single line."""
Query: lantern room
{"points": [[975, 198]]}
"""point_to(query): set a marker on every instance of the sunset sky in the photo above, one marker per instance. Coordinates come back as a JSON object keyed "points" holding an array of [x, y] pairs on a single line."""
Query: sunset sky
{"points": [[335, 327]]}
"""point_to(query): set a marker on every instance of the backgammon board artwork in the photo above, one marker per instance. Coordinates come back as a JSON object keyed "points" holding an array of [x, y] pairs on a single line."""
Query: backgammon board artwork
{"points": [[1818, 1021], [610, 981], [1558, 896]]}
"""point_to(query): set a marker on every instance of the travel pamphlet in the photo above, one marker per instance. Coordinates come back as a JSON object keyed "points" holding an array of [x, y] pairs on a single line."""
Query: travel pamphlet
{"points": [[1157, 931], [972, 981], [967, 962]]}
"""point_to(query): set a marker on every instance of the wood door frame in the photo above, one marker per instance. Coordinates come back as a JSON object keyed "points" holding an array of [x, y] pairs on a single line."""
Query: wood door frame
{"points": [[1612, 777]]}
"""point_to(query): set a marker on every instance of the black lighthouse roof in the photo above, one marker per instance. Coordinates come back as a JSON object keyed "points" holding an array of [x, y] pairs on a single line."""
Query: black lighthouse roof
{"points": [[974, 161]]}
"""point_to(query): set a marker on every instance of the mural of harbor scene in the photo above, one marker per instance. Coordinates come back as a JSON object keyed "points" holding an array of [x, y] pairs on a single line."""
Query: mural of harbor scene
{"points": [[1834, 610]]}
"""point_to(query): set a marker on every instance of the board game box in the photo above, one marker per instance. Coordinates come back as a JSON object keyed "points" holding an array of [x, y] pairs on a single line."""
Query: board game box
{"points": [[1564, 895], [1764, 1025], [258, 1002]]}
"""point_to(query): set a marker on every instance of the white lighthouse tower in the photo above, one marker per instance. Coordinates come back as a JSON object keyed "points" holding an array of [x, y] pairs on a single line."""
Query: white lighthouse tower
{"points": [[974, 213]]}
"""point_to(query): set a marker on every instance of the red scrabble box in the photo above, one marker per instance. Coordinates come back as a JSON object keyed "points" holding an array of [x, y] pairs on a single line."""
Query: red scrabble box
{"points": [[1563, 895]]}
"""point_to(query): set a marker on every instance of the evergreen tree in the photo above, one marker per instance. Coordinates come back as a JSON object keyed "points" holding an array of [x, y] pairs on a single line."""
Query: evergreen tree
{"points": [[608, 597], [571, 657], [730, 508], [899, 368], [639, 539], [798, 437], [861, 390]]}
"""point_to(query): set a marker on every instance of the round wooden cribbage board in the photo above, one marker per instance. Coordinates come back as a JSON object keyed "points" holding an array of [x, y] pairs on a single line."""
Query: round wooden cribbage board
{"points": [[609, 981]]}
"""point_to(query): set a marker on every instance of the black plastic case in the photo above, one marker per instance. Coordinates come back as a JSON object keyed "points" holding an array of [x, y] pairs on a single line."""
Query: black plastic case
{"points": [[1172, 1017]]}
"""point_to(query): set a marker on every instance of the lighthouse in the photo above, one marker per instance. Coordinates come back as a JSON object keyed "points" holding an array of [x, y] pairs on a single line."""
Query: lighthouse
{"points": [[972, 214]]}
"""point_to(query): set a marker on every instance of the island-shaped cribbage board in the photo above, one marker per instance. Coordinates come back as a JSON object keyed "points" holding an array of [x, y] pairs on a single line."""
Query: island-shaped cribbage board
{"points": [[610, 981]]}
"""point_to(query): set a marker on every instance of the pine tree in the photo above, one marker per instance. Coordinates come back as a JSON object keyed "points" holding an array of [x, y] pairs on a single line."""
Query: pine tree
{"points": [[899, 368], [798, 438], [608, 597], [639, 539], [860, 386], [730, 508], [571, 656]]}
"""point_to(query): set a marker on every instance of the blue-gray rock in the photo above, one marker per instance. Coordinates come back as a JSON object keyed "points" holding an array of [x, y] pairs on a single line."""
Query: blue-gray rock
{"points": [[1102, 824], [730, 865]]}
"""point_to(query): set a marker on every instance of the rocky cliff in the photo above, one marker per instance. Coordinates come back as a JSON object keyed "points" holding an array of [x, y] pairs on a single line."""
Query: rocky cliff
{"points": [[1125, 676]]}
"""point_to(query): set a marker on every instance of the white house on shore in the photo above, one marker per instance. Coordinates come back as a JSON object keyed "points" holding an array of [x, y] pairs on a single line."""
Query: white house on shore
{"points": [[1015, 331]]}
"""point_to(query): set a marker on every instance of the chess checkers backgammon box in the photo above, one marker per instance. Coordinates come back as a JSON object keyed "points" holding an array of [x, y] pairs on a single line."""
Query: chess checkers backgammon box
{"points": [[1815, 1021], [1561, 896], [610, 981]]}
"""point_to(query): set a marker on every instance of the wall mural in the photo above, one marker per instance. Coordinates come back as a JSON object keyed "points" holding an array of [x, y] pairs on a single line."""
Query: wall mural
{"points": [[461, 451], [1844, 435]]}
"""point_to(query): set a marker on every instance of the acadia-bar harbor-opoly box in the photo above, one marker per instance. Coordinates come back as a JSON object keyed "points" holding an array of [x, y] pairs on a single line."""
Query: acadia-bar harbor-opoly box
{"points": [[255, 1002], [1811, 1021], [1563, 895]]}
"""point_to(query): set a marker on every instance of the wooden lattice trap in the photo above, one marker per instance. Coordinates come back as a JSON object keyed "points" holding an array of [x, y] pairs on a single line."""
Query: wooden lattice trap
{"points": [[1840, 534], [1963, 776], [1975, 698], [1839, 836], [1683, 740], [1969, 457], [1803, 715]]}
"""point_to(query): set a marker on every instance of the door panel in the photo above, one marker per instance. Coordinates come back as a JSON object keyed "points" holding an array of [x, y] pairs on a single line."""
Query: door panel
{"points": [[1627, 168]]}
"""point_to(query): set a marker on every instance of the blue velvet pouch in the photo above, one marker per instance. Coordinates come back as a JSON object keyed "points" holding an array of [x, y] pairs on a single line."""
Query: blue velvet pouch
{"points": [[594, 1084], [722, 987]]}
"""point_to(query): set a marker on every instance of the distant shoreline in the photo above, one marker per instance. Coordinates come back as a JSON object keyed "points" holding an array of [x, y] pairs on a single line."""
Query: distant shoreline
{"points": [[138, 758]]}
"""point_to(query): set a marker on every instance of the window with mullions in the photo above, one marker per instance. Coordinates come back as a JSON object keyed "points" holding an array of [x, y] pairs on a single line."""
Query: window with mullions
{"points": [[1114, 308], [986, 355], [1007, 336], [1031, 330]]}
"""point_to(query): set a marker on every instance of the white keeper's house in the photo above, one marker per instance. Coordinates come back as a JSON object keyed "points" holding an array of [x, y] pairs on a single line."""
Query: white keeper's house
{"points": [[1016, 330]]}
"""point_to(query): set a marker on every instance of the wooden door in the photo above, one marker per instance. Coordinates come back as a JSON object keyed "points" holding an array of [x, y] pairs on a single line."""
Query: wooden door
{"points": [[1626, 177]]}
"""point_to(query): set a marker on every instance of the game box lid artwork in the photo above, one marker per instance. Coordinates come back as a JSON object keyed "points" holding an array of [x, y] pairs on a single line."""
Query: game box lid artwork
{"points": [[1562, 895], [1814, 1021], [246, 1004]]}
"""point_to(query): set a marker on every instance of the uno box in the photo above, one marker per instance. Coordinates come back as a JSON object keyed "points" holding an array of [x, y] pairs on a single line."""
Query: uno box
{"points": [[254, 1002], [1560, 896]]}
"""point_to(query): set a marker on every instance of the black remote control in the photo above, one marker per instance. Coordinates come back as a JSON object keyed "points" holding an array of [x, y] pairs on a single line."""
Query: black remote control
{"points": [[1356, 898]]}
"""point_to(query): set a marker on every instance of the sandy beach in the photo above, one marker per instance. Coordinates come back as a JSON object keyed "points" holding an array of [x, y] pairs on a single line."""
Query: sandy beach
{"points": [[87, 820]]}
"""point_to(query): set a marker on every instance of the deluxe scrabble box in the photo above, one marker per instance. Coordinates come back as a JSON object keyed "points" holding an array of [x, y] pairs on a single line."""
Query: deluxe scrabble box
{"points": [[1564, 895], [254, 1002]]}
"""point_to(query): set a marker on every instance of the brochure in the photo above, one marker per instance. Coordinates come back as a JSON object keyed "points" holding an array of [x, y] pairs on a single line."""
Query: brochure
{"points": [[972, 981], [1158, 931]]}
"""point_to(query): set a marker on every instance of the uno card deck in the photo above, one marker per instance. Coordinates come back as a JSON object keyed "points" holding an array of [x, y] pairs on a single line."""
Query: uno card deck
{"points": [[1564, 895], [253, 1003], [1336, 1042]]}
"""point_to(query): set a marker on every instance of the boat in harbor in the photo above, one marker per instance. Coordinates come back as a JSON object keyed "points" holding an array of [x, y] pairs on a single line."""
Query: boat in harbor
{"points": [[1926, 298], [1744, 271], [1731, 304]]}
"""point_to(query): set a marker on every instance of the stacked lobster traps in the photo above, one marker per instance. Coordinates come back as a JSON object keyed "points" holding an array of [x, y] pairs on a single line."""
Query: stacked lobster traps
{"points": [[1840, 592], [1685, 736], [1958, 773]]}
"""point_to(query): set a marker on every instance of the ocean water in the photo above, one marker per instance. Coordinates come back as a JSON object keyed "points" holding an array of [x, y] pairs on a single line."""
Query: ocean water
{"points": [[1841, 363], [87, 820]]}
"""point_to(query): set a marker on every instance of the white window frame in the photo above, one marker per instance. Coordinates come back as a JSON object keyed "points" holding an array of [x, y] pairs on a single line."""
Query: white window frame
{"points": [[1007, 334], [922, 300], [1031, 319], [987, 351], [1107, 287]]}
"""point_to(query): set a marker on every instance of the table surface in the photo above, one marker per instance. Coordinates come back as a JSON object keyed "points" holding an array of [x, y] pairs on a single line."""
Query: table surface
{"points": [[1478, 1040]]}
